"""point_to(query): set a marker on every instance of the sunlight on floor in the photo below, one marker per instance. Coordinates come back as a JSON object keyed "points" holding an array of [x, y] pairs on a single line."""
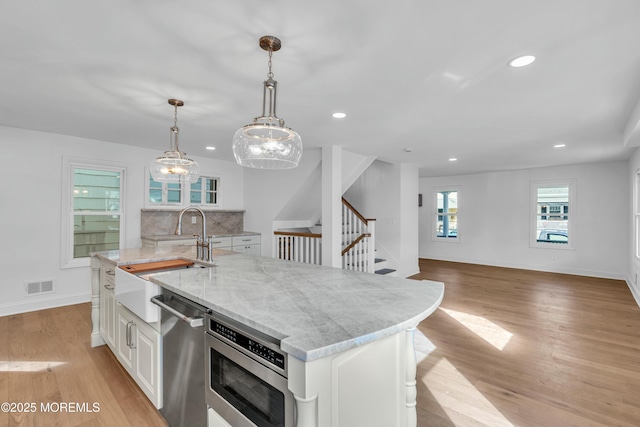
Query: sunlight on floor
{"points": [[484, 328], [28, 366], [452, 390], [422, 345]]}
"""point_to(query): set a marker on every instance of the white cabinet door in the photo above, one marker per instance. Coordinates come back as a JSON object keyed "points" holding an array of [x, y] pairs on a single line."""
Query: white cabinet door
{"points": [[147, 370], [139, 351], [248, 250], [108, 304], [124, 346]]}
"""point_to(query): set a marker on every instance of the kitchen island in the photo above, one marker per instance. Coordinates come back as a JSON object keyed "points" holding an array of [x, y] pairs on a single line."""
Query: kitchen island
{"points": [[348, 335]]}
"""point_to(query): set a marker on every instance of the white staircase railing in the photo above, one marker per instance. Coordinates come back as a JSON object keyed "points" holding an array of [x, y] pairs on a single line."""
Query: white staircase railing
{"points": [[356, 255], [300, 247], [358, 237]]}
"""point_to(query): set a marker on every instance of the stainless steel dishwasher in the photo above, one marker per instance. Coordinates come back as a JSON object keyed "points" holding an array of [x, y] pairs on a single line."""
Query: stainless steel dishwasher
{"points": [[183, 365]]}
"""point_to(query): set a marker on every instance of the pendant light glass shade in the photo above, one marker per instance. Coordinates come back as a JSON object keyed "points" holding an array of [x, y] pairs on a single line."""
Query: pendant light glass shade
{"points": [[174, 166], [267, 143], [264, 146]]}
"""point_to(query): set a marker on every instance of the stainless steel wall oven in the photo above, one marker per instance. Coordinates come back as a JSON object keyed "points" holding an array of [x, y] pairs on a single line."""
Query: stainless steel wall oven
{"points": [[246, 374]]}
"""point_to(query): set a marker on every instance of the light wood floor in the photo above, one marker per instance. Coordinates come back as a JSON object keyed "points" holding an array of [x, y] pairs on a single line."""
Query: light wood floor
{"points": [[548, 350], [46, 357], [524, 348]]}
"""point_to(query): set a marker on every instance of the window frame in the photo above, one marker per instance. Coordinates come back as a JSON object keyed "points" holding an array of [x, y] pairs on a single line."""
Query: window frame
{"points": [[185, 194], [203, 192], [68, 213], [165, 193], [434, 214], [569, 213]]}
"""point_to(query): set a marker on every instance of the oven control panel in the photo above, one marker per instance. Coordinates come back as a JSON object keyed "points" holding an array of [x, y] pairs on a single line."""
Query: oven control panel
{"points": [[253, 346]]}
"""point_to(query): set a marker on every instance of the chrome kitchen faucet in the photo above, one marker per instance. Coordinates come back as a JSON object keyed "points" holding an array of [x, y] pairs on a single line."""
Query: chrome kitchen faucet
{"points": [[201, 239]]}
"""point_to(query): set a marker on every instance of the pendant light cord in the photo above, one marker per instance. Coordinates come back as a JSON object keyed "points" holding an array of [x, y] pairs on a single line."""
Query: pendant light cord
{"points": [[175, 130], [270, 74]]}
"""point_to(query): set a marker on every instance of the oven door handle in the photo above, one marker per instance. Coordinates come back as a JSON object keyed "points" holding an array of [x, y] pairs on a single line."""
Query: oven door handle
{"points": [[194, 322]]}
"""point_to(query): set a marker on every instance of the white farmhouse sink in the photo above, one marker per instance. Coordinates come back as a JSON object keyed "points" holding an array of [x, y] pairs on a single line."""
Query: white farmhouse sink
{"points": [[135, 291]]}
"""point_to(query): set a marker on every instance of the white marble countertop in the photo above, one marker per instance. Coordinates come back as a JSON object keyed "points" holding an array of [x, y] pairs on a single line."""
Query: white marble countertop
{"points": [[315, 311]]}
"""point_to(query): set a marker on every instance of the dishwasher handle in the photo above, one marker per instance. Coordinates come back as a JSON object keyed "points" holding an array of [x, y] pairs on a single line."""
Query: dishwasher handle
{"points": [[194, 322]]}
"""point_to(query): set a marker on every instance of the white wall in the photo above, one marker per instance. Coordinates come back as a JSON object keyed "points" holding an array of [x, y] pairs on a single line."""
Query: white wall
{"points": [[268, 192], [494, 221], [389, 193], [409, 220], [30, 212], [634, 261]]}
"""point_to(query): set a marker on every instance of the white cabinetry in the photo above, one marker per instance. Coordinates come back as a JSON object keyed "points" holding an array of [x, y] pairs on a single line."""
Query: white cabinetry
{"points": [[136, 343], [108, 326], [138, 350], [124, 348], [247, 244], [373, 385]]}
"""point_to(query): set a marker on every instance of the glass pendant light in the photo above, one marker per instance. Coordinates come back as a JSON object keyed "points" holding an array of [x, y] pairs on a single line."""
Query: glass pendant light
{"points": [[267, 143], [174, 166]]}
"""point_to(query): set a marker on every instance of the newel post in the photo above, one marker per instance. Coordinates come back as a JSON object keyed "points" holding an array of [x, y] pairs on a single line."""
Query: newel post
{"points": [[371, 254], [410, 379]]}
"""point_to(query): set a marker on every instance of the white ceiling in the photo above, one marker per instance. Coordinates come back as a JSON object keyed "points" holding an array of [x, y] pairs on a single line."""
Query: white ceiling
{"points": [[421, 74]]}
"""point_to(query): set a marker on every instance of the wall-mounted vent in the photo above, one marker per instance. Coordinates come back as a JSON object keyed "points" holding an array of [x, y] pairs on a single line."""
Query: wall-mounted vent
{"points": [[33, 288]]}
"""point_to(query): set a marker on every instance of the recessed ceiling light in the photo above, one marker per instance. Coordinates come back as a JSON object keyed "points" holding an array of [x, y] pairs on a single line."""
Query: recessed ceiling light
{"points": [[453, 159], [339, 115], [522, 61], [408, 149], [210, 148], [559, 145]]}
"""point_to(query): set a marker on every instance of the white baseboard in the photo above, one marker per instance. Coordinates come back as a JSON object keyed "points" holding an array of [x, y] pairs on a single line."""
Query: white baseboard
{"points": [[549, 269], [634, 291], [405, 275], [27, 306]]}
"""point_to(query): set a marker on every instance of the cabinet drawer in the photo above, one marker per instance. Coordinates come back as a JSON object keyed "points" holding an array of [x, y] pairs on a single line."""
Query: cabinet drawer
{"points": [[253, 239], [109, 275], [221, 242]]}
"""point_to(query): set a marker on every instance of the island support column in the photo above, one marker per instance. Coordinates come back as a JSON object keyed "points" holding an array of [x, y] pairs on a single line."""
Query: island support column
{"points": [[410, 379], [96, 339]]}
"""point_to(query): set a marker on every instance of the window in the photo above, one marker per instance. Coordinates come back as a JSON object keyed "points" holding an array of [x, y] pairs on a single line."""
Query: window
{"points": [[95, 216], [163, 193], [205, 191], [447, 213], [553, 212]]}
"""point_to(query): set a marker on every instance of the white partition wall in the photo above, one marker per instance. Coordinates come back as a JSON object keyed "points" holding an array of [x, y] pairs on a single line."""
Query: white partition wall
{"points": [[495, 228]]}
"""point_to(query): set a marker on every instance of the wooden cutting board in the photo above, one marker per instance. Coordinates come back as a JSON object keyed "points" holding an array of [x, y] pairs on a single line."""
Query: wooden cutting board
{"points": [[157, 265]]}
